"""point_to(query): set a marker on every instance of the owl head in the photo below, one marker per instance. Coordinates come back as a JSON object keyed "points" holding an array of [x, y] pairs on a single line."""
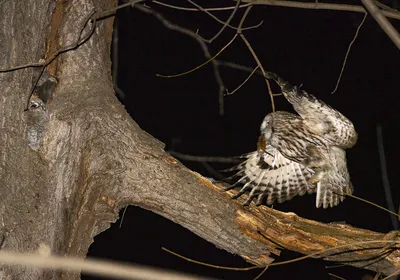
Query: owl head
{"points": [[266, 127], [36, 104], [266, 134]]}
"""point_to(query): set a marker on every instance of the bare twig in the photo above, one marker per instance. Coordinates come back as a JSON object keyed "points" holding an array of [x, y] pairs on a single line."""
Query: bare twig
{"points": [[203, 158], [79, 41], [383, 22], [391, 275], [203, 46], [210, 265], [348, 51], [373, 204], [332, 251], [197, 10], [336, 276], [245, 81], [112, 11], [388, 12], [91, 266], [123, 216], [216, 176], [334, 266], [261, 273], [255, 57], [237, 67], [320, 6], [384, 7], [201, 65], [93, 18], [385, 177], [115, 60], [225, 24]]}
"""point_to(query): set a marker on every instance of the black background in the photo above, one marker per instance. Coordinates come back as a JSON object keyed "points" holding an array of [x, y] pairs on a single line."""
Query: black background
{"points": [[305, 47]]}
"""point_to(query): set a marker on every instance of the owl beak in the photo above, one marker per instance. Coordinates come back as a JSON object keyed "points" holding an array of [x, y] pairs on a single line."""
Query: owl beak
{"points": [[261, 144]]}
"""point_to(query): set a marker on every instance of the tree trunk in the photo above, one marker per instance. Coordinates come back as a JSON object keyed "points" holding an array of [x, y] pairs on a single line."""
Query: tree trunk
{"points": [[95, 159]]}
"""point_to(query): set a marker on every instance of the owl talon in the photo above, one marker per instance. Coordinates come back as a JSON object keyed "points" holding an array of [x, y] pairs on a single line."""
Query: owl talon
{"points": [[314, 180], [236, 196], [247, 202]]}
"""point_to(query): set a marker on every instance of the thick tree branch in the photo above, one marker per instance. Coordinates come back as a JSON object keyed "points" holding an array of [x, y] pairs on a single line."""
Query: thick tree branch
{"points": [[124, 165]]}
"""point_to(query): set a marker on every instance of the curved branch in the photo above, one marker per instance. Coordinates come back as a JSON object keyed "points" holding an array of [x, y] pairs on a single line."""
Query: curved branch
{"points": [[320, 6]]}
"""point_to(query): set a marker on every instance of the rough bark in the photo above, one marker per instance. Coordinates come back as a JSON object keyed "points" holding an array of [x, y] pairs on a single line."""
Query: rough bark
{"points": [[95, 159]]}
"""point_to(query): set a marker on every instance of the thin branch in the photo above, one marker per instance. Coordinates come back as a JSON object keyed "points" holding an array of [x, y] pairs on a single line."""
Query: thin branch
{"points": [[261, 273], [332, 251], [335, 252], [110, 12], [377, 276], [79, 41], [225, 24], [385, 177], [115, 60], [203, 158], [203, 45], [92, 266], [210, 265], [397, 272], [123, 216], [245, 81], [216, 175], [93, 18], [373, 204], [201, 65], [236, 66], [303, 5], [388, 12], [320, 6], [383, 22], [348, 51], [256, 58], [197, 10], [336, 276], [201, 9], [384, 7]]}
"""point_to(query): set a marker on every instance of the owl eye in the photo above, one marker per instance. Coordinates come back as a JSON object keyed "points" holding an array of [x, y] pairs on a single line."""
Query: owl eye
{"points": [[34, 105]]}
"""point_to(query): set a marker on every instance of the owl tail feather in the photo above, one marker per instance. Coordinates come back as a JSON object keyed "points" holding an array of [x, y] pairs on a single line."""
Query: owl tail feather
{"points": [[329, 195]]}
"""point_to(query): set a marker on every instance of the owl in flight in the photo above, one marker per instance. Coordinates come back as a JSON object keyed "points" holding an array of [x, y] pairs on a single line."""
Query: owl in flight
{"points": [[299, 153]]}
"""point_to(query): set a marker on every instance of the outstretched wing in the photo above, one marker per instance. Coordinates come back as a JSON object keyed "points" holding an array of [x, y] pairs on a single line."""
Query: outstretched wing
{"points": [[270, 176], [335, 183], [319, 117]]}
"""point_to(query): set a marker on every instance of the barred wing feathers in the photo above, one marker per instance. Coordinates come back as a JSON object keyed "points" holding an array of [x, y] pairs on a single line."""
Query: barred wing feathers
{"points": [[335, 183], [321, 118], [269, 176]]}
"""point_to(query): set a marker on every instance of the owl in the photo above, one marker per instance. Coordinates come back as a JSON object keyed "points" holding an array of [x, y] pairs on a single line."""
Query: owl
{"points": [[299, 153], [37, 118]]}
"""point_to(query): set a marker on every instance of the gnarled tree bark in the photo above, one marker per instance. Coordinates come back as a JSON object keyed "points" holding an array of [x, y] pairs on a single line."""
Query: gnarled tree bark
{"points": [[95, 159]]}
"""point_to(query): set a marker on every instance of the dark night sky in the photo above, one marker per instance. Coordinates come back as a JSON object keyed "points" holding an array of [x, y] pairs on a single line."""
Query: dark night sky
{"points": [[304, 47]]}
